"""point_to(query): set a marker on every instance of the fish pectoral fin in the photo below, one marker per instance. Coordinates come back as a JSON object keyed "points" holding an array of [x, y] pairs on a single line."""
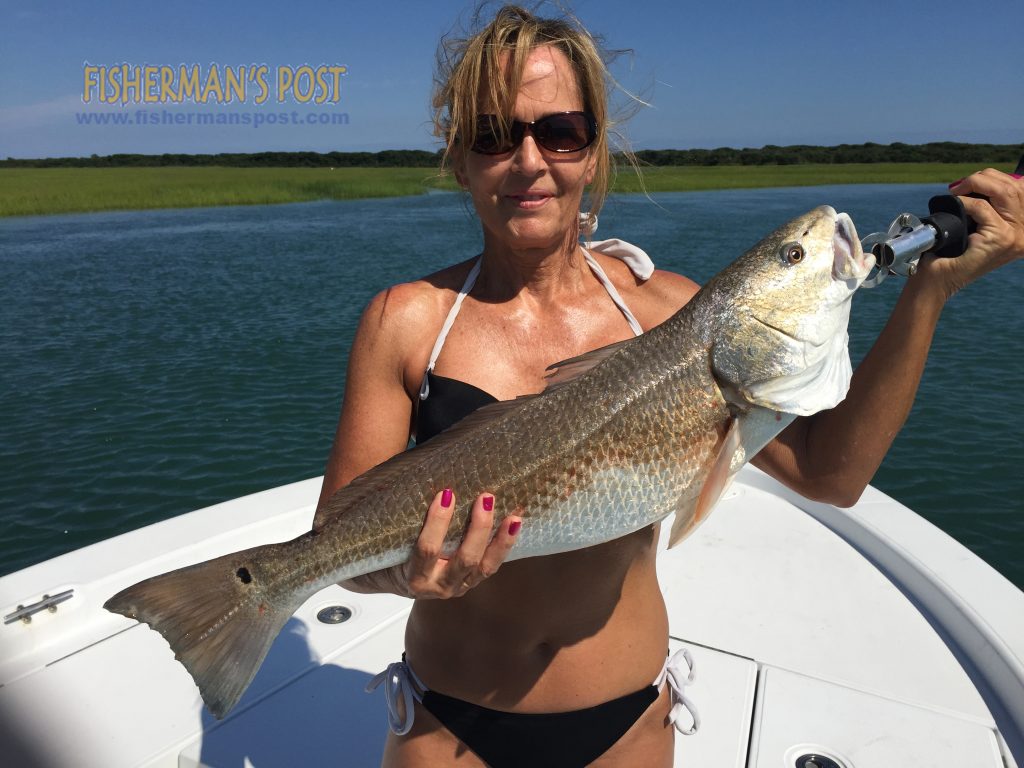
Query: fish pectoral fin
{"points": [[692, 513], [683, 522], [565, 371]]}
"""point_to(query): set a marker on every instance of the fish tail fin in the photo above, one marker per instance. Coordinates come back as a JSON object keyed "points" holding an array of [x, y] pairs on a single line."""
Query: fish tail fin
{"points": [[219, 617]]}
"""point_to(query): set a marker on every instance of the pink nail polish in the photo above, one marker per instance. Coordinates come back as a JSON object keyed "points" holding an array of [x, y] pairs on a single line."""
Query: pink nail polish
{"points": [[446, 498], [956, 182], [1016, 176], [513, 528], [488, 503]]}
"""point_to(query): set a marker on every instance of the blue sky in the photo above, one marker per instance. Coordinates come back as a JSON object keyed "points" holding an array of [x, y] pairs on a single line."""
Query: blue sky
{"points": [[715, 73]]}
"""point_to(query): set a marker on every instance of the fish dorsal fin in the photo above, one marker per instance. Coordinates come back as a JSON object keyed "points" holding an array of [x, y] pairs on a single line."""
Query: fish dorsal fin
{"points": [[715, 483], [565, 371]]}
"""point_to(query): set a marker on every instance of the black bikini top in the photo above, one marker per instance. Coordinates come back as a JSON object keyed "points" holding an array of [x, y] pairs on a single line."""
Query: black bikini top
{"points": [[450, 401]]}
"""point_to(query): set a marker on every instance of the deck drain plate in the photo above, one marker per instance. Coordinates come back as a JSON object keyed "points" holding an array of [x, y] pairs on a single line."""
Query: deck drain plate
{"points": [[334, 614], [814, 760]]}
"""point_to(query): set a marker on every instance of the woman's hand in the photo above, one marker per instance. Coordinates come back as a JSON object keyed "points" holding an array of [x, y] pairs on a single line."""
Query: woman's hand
{"points": [[428, 574], [999, 238]]}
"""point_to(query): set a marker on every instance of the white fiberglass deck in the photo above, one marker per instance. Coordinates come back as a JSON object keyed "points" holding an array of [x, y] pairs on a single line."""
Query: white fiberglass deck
{"points": [[801, 645]]}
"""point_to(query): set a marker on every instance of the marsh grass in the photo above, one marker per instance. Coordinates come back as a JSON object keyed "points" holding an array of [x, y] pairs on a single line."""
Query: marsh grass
{"points": [[34, 191], [31, 191]]}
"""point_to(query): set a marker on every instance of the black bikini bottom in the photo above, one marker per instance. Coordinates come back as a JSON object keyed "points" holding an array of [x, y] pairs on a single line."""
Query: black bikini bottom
{"points": [[524, 740]]}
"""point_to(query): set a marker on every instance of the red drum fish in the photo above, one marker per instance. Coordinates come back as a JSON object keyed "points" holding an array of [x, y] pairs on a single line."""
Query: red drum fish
{"points": [[621, 438]]}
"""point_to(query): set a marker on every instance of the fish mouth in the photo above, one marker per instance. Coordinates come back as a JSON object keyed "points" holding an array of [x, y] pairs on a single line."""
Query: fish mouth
{"points": [[849, 262]]}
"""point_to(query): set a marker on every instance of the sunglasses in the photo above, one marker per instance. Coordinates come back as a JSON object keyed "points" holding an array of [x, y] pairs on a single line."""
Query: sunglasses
{"points": [[560, 132]]}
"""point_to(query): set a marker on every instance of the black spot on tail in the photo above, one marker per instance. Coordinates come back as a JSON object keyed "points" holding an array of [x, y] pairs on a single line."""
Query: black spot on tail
{"points": [[243, 575]]}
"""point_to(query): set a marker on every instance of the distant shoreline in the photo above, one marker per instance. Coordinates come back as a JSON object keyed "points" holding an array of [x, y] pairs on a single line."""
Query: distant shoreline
{"points": [[770, 154], [41, 191]]}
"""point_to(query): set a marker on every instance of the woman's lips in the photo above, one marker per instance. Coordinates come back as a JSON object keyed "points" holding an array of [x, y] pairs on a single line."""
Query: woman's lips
{"points": [[529, 200]]}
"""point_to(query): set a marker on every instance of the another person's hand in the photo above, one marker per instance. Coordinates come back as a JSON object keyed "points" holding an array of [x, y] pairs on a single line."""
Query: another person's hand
{"points": [[999, 238], [428, 574]]}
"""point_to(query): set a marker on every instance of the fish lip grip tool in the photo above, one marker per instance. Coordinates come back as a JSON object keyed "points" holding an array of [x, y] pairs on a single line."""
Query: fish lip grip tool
{"points": [[943, 232]]}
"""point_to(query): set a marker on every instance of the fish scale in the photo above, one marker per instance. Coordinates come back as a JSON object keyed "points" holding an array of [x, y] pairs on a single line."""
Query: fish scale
{"points": [[621, 437]]}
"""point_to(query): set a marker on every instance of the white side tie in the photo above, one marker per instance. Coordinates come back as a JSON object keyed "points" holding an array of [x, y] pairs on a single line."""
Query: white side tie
{"points": [[678, 678], [400, 683]]}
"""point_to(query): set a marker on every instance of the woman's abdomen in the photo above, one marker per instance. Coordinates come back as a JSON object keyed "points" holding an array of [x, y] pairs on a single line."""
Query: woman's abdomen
{"points": [[548, 634]]}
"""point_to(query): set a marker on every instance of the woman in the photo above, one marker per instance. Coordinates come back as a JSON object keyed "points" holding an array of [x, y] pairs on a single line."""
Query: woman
{"points": [[523, 111]]}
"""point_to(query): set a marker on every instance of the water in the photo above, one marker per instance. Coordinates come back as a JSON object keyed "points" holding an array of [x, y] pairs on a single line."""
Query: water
{"points": [[157, 362]]}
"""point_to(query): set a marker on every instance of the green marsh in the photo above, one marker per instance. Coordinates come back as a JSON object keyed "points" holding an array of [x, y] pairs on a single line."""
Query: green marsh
{"points": [[36, 191]]}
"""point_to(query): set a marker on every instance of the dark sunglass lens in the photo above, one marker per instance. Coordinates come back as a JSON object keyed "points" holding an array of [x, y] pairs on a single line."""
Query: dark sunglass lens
{"points": [[488, 135], [569, 132], [563, 133]]}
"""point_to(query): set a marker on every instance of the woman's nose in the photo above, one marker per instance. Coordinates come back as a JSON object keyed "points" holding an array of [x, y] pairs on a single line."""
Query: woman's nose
{"points": [[528, 157]]}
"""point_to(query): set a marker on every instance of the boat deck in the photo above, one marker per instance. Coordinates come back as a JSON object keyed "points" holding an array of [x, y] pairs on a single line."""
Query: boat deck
{"points": [[813, 630]]}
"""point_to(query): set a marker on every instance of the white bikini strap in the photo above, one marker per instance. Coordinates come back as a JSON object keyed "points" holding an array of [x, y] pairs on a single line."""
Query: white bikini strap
{"points": [[636, 259], [612, 292], [673, 673], [448, 322], [400, 681]]}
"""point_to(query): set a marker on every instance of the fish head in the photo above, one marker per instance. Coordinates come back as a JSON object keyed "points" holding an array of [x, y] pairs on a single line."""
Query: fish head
{"points": [[781, 313]]}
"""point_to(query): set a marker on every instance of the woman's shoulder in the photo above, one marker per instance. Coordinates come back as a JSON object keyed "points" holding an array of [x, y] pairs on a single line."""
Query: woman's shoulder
{"points": [[414, 303], [400, 323], [653, 300], [672, 287]]}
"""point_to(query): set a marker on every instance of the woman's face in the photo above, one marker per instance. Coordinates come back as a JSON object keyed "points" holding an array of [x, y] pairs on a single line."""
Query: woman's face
{"points": [[530, 197]]}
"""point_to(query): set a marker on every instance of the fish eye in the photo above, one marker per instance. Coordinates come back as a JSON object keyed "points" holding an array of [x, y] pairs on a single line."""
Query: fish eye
{"points": [[792, 253]]}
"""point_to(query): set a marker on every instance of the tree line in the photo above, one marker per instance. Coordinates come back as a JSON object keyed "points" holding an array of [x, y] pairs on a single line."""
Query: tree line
{"points": [[936, 152], [390, 158]]}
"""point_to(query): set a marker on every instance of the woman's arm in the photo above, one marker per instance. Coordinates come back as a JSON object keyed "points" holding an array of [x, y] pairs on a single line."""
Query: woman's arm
{"points": [[376, 409], [833, 455], [374, 426]]}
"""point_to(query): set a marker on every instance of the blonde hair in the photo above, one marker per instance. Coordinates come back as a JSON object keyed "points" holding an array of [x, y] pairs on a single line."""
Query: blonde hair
{"points": [[464, 64]]}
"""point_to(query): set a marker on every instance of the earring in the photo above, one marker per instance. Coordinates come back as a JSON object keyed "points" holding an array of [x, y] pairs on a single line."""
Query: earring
{"points": [[588, 223]]}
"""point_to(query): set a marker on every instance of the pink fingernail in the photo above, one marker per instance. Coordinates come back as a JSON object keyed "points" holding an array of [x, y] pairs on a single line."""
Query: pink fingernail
{"points": [[446, 498], [1016, 176], [956, 182], [513, 527], [488, 503]]}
